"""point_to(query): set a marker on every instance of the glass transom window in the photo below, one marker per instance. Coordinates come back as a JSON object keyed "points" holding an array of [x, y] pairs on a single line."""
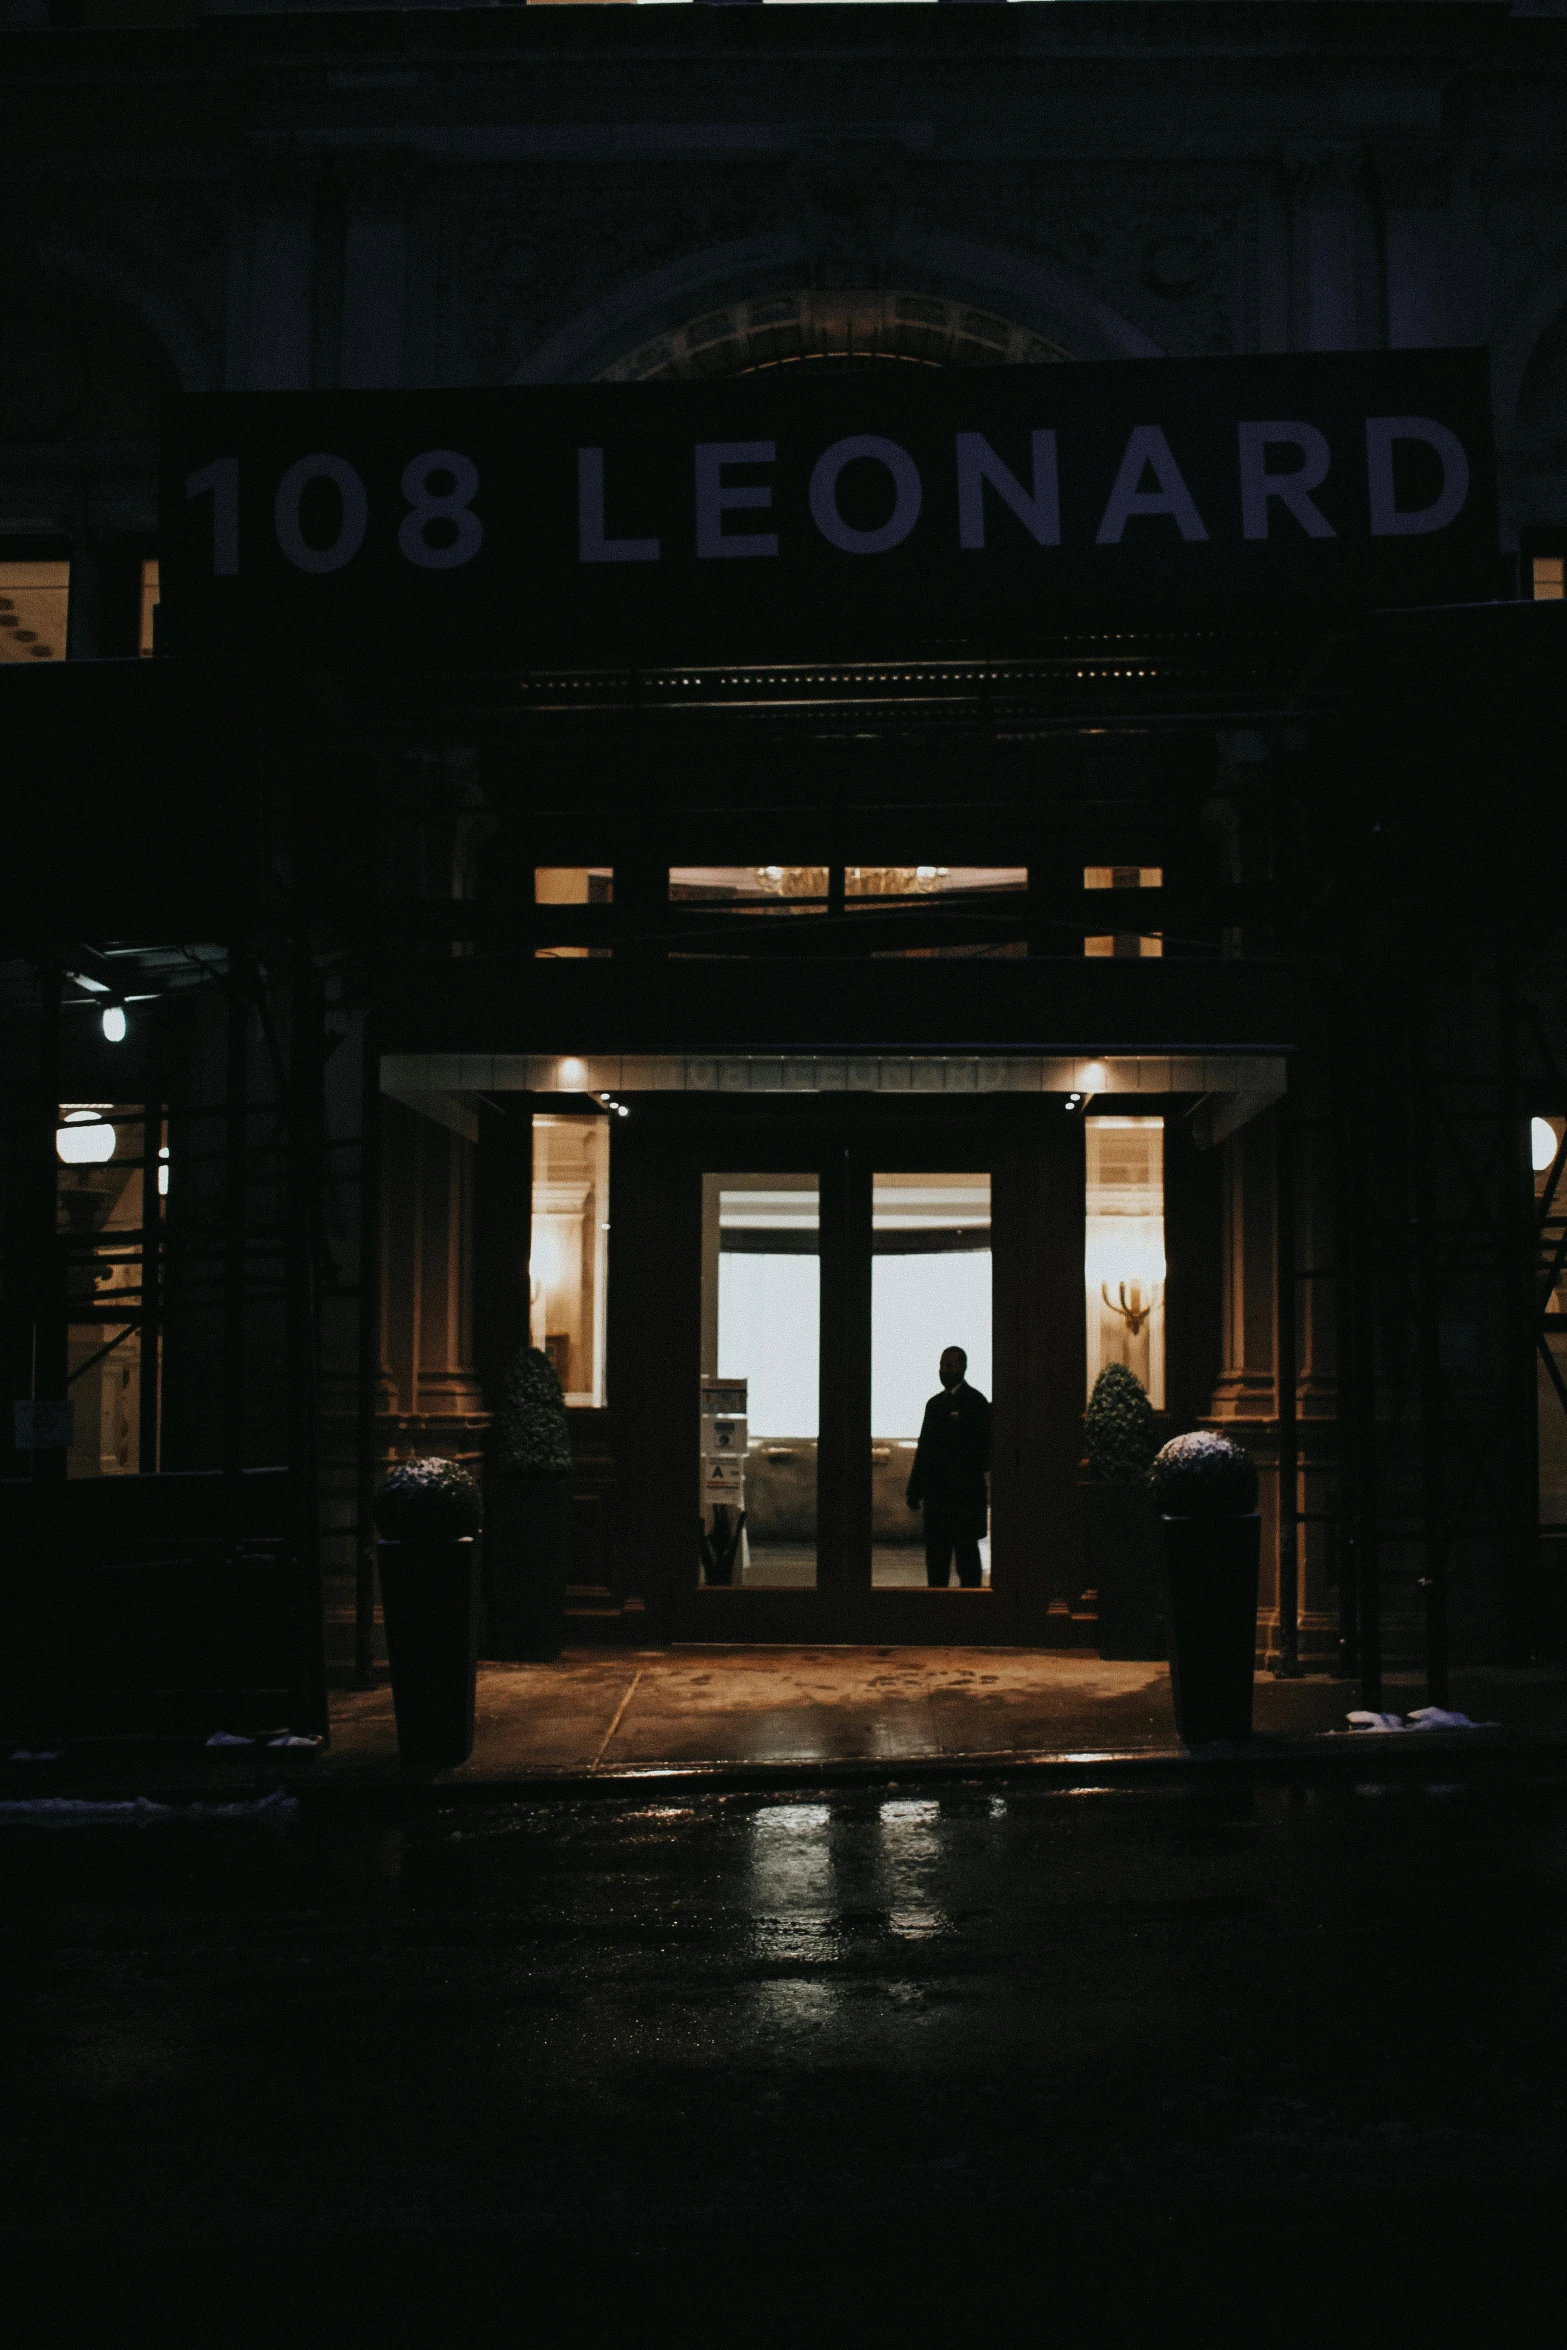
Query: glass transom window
{"points": [[34, 598]]}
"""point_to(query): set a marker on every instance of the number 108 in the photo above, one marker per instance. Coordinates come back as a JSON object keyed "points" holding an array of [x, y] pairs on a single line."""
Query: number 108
{"points": [[439, 532]]}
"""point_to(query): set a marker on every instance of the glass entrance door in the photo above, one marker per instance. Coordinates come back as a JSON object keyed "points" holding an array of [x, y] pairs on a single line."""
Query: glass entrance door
{"points": [[761, 1377], [846, 1397], [931, 1380]]}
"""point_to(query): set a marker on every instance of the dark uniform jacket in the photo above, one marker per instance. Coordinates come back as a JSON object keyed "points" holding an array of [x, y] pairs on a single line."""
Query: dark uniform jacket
{"points": [[950, 1463]]}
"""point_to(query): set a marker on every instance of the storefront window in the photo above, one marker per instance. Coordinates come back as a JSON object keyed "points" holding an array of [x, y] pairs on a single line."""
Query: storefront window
{"points": [[1123, 1256], [33, 603], [101, 1154], [1545, 1136], [1127, 943], [913, 884], [750, 889], [149, 605], [568, 1265], [903, 910], [571, 886]]}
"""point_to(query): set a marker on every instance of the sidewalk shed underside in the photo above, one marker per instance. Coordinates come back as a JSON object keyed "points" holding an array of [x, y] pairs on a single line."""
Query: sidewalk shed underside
{"points": [[1233, 1087]]}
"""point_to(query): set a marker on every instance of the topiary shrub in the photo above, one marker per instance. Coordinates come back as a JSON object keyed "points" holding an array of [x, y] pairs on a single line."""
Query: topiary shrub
{"points": [[530, 1435], [427, 1501], [1118, 1428], [1204, 1476]]}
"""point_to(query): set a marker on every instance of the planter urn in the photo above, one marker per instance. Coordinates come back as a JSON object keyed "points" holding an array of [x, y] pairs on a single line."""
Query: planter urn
{"points": [[1124, 1565], [430, 1603], [428, 1514], [1120, 1521], [527, 1557], [527, 1542], [1210, 1575], [1205, 1488]]}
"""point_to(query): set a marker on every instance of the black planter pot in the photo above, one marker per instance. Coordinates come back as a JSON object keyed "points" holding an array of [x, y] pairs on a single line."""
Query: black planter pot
{"points": [[527, 1553], [1210, 1570], [430, 1600], [1122, 1527]]}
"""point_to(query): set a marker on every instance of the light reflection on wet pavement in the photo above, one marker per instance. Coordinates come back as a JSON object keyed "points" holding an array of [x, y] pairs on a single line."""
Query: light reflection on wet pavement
{"points": [[593, 2032]]}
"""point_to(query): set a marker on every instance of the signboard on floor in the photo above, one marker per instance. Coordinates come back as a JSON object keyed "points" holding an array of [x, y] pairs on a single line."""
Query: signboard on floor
{"points": [[723, 1397], [793, 513]]}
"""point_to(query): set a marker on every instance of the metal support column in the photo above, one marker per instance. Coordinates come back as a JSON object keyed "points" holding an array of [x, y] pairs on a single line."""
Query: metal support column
{"points": [[1429, 1271], [236, 1118], [50, 1345], [369, 1336], [1521, 1420], [303, 1186], [1285, 1375], [1360, 1620], [152, 1167]]}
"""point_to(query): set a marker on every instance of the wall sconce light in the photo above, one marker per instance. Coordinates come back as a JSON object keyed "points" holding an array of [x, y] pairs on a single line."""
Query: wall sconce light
{"points": [[1133, 1312], [1126, 1265]]}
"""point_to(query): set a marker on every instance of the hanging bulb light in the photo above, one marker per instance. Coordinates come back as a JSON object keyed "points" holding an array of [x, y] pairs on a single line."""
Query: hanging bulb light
{"points": [[84, 1139]]}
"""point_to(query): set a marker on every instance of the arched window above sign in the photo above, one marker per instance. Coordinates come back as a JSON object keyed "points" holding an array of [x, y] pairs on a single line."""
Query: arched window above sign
{"points": [[825, 327]]}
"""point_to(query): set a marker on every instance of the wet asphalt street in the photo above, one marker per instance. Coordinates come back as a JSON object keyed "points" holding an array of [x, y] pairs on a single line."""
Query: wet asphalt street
{"points": [[1079, 2065]]}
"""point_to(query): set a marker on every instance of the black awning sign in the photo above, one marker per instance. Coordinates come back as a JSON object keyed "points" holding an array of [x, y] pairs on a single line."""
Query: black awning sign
{"points": [[787, 514]]}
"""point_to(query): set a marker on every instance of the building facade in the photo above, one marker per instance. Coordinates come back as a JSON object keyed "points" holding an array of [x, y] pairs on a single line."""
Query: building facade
{"points": [[736, 1032]]}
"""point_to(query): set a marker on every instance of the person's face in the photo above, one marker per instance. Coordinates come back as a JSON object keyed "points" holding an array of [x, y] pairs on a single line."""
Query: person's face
{"points": [[954, 1363]]}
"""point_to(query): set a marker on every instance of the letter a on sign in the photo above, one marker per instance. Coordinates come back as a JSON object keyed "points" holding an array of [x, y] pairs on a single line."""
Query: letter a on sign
{"points": [[1147, 448]]}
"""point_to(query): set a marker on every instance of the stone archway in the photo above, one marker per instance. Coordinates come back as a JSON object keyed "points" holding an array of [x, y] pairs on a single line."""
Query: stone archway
{"points": [[843, 327], [76, 369]]}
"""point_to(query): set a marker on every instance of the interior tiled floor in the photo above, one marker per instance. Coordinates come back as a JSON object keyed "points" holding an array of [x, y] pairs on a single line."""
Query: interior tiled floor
{"points": [[614, 1710], [791, 1566]]}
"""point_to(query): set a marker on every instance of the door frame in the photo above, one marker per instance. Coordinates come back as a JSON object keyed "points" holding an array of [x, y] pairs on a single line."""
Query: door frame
{"points": [[1033, 1151]]}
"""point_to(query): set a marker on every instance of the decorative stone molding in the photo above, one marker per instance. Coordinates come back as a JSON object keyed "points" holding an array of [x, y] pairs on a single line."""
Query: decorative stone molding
{"points": [[1035, 302], [809, 323]]}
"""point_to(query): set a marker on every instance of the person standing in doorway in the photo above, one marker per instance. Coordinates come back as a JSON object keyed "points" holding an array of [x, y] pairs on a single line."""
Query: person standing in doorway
{"points": [[948, 1477]]}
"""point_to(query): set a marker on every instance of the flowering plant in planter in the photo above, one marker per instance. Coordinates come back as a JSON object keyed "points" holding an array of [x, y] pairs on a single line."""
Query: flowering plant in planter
{"points": [[1204, 1476], [430, 1500]]}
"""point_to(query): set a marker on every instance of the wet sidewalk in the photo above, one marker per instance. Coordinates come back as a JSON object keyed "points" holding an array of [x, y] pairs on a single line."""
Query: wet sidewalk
{"points": [[760, 1717], [755, 1712]]}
